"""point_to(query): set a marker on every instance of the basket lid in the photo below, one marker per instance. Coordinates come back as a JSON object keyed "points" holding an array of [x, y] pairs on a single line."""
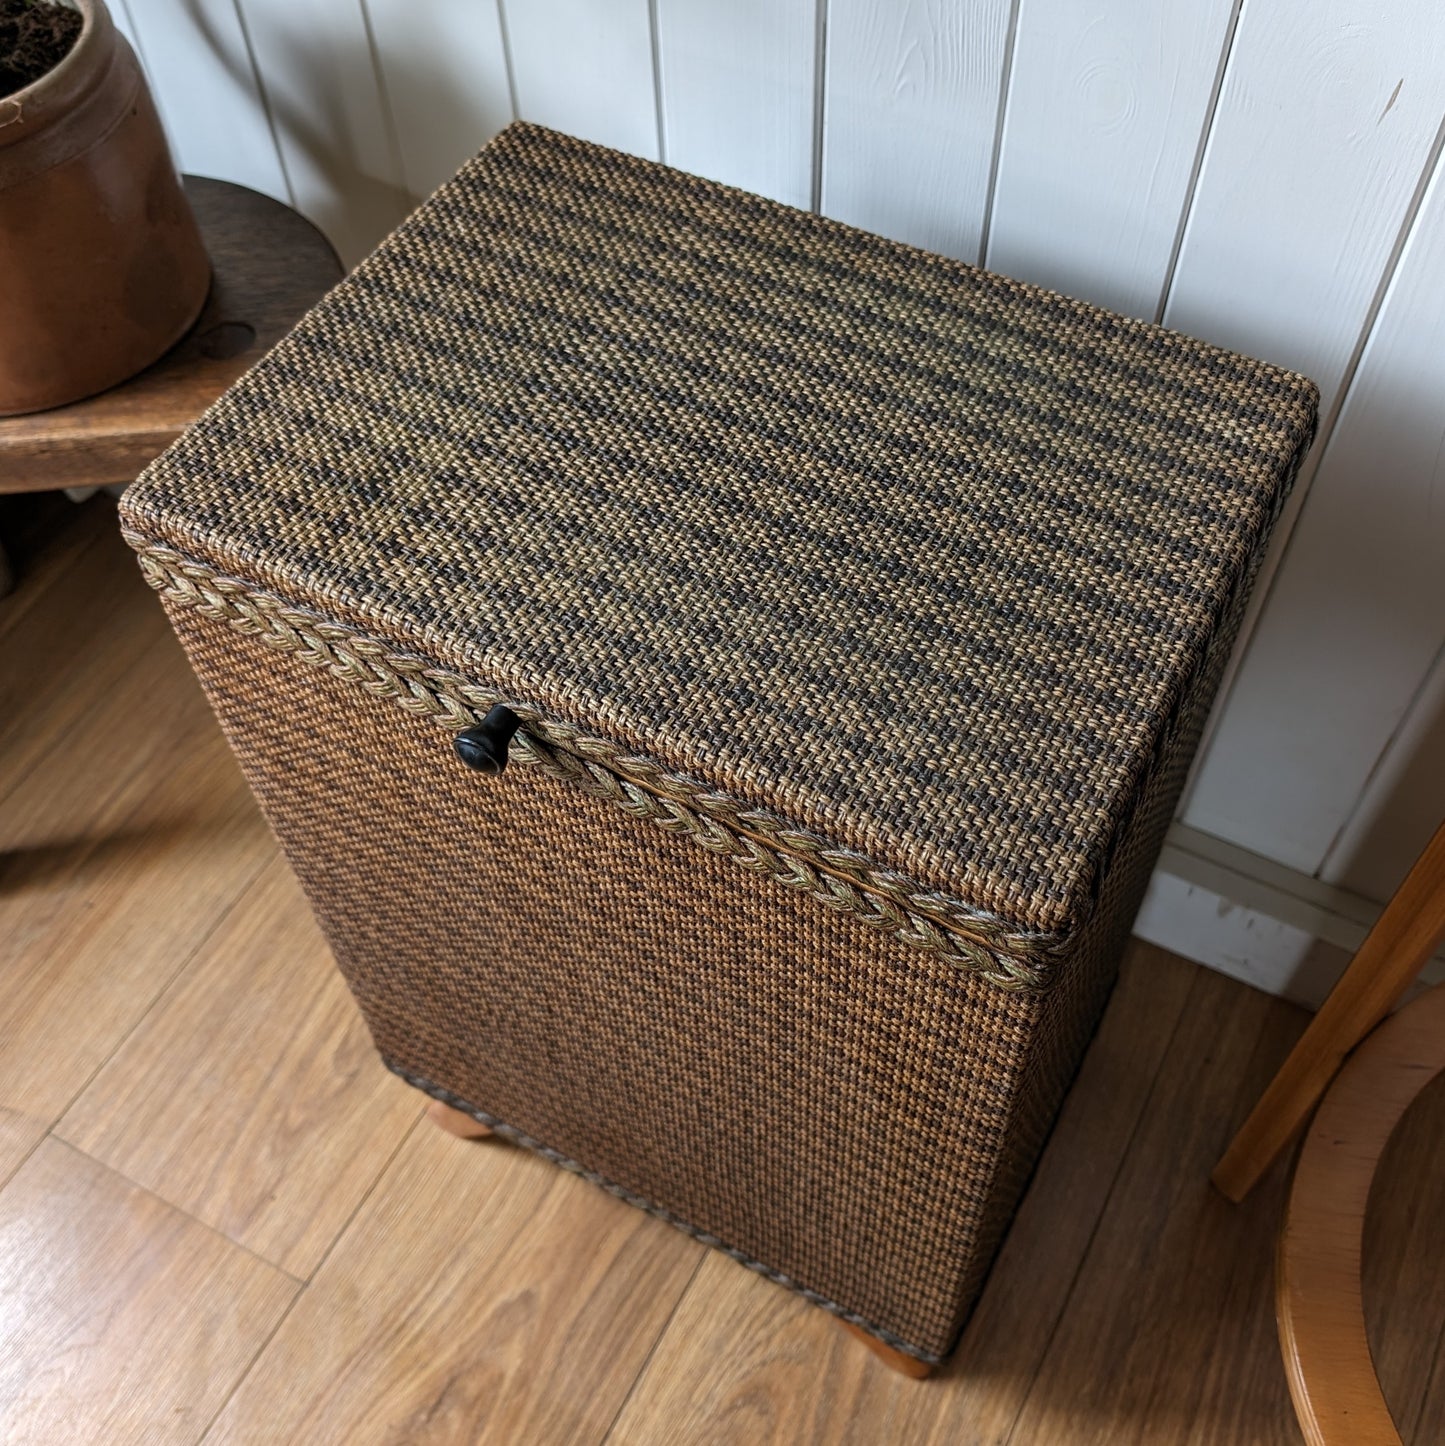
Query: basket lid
{"points": [[917, 557]]}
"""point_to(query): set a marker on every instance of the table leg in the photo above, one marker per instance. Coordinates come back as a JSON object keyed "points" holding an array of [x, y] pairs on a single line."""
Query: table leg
{"points": [[1406, 935]]}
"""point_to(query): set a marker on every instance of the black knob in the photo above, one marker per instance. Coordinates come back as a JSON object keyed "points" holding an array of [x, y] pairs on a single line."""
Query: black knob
{"points": [[484, 745]]}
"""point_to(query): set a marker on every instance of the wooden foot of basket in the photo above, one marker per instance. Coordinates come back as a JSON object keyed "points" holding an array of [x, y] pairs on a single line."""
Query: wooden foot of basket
{"points": [[457, 1122], [899, 1361]]}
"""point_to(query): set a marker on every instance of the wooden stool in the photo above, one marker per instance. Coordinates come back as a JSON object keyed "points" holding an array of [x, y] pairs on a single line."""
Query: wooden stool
{"points": [[269, 266], [1318, 1301]]}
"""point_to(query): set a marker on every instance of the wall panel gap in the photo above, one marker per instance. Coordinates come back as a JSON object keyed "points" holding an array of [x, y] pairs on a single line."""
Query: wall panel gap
{"points": [[507, 59], [657, 103], [1387, 276], [820, 103], [1225, 52], [1378, 768], [264, 96], [388, 116], [1005, 86]]}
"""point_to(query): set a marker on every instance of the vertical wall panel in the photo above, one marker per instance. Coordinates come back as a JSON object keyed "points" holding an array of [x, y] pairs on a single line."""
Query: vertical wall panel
{"points": [[316, 62], [445, 75], [1106, 105], [1357, 614], [911, 114], [1325, 123], [1402, 805], [737, 92], [200, 70], [585, 67], [1324, 126]]}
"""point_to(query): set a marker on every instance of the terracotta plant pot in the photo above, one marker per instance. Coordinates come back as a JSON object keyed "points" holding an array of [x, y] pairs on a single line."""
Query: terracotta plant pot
{"points": [[101, 266]]}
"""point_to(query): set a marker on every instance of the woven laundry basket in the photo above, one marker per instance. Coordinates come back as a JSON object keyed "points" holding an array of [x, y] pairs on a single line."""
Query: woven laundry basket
{"points": [[857, 610]]}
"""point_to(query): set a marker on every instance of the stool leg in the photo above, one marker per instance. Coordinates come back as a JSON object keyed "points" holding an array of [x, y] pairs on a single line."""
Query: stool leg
{"points": [[1397, 948], [899, 1361], [457, 1122]]}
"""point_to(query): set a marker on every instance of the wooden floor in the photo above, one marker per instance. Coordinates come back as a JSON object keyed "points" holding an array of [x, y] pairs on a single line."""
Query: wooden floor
{"points": [[220, 1218]]}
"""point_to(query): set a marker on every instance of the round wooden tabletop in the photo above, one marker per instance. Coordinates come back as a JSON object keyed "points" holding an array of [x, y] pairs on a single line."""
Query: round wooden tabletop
{"points": [[1318, 1299], [269, 267]]}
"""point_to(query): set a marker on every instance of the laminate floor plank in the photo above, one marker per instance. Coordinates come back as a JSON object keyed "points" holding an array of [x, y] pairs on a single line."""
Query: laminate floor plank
{"points": [[48, 548], [480, 1294], [78, 642], [1169, 1332], [19, 1135], [251, 1096], [744, 1361], [118, 855], [121, 1319]]}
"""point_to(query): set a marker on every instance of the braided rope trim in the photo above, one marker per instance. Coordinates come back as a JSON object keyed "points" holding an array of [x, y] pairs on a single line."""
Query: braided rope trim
{"points": [[839, 879], [518, 1137]]}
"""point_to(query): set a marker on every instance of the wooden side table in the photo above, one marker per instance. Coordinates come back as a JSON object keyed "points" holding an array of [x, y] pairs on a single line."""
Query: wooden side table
{"points": [[1318, 1296], [270, 266], [1318, 1302]]}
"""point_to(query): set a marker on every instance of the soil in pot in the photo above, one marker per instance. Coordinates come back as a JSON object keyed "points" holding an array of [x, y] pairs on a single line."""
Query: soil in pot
{"points": [[35, 36]]}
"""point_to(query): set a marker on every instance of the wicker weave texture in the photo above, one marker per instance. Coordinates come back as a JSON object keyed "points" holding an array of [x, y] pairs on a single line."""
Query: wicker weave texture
{"points": [[854, 1118], [925, 560]]}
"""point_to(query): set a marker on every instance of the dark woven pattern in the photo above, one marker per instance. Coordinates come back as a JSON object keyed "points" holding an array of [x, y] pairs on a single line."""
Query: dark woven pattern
{"points": [[924, 560], [852, 1118]]}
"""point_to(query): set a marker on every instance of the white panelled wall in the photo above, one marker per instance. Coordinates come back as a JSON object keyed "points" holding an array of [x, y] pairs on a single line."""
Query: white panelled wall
{"points": [[1262, 173]]}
